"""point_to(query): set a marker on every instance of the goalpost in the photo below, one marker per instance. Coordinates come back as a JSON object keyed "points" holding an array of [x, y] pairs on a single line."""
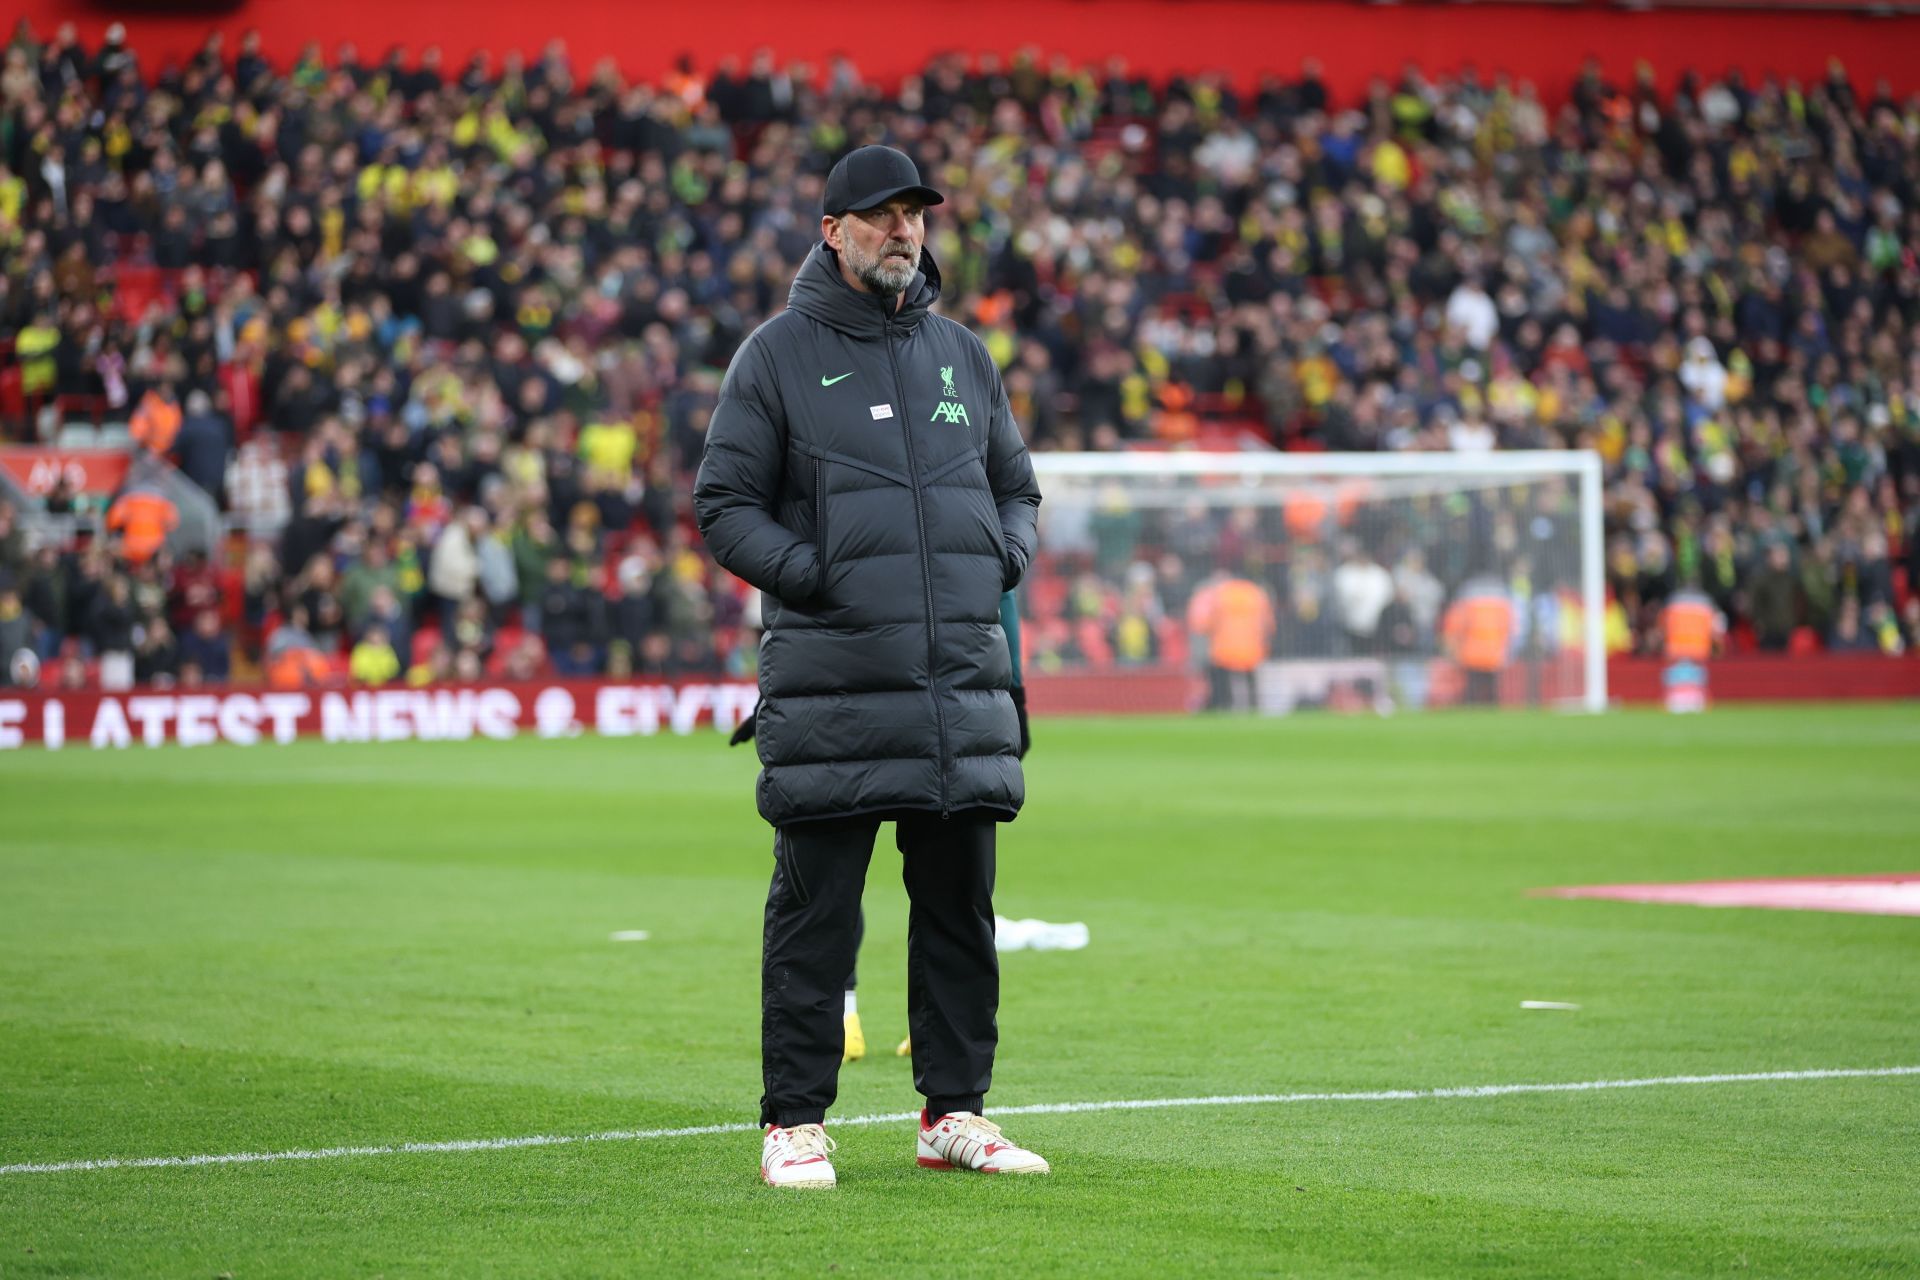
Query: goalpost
{"points": [[1278, 581]]}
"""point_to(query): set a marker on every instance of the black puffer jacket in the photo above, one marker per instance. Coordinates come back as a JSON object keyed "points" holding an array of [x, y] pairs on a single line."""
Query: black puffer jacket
{"points": [[863, 470]]}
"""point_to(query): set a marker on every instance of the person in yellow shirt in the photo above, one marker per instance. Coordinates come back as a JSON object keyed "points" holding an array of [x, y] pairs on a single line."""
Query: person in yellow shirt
{"points": [[609, 447], [437, 667], [34, 349], [373, 661], [434, 182], [13, 195], [1392, 166]]}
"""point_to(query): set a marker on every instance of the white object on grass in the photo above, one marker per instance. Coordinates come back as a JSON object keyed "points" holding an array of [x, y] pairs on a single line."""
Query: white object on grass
{"points": [[1547, 1004], [628, 935], [1037, 935]]}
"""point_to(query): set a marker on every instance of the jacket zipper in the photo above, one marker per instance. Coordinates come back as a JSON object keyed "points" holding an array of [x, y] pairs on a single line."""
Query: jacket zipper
{"points": [[926, 569]]}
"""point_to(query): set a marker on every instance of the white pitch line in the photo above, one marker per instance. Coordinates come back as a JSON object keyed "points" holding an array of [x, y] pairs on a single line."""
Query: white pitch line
{"points": [[1036, 1109]]}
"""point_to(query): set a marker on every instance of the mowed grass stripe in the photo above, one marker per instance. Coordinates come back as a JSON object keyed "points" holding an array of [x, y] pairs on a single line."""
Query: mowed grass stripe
{"points": [[231, 950]]}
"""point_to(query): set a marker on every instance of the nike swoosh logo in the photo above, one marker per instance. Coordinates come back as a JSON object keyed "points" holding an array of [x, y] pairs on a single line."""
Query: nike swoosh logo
{"points": [[825, 381]]}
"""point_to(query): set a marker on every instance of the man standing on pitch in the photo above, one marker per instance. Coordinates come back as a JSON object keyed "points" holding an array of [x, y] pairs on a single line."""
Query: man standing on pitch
{"points": [[863, 470]]}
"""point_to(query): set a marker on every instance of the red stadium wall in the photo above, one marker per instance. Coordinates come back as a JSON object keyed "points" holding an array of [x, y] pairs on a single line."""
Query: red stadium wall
{"points": [[244, 717], [1777, 678], [563, 707], [1632, 681], [1243, 37]]}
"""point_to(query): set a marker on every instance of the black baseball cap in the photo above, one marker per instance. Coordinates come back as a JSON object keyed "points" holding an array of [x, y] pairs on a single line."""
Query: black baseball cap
{"points": [[868, 177]]}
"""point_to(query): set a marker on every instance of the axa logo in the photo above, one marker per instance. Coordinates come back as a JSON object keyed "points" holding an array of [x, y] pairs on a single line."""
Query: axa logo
{"points": [[950, 409]]}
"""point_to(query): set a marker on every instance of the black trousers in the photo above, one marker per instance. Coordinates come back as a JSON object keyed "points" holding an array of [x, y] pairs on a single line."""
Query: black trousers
{"points": [[813, 933], [859, 936], [1230, 690]]}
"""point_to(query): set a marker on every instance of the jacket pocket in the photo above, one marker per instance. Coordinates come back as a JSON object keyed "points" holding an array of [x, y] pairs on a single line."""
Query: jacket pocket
{"points": [[820, 518]]}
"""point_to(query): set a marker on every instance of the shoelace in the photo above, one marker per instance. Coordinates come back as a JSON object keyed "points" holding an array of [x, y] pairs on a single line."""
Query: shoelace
{"points": [[809, 1140], [980, 1127]]}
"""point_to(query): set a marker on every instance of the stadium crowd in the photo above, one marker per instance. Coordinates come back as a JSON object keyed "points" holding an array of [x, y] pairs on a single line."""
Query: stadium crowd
{"points": [[443, 341]]}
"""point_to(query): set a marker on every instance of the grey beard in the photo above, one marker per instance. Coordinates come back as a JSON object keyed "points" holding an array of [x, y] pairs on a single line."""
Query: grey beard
{"points": [[885, 279]]}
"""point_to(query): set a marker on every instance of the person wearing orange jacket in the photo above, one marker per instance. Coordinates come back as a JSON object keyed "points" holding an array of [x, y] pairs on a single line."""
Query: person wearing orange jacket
{"points": [[1690, 626], [1477, 632], [1690, 630], [143, 521], [294, 660], [1234, 617], [156, 420]]}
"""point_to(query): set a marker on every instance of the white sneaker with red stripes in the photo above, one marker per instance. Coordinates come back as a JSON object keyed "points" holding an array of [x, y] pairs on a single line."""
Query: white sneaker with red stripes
{"points": [[963, 1140], [796, 1157]]}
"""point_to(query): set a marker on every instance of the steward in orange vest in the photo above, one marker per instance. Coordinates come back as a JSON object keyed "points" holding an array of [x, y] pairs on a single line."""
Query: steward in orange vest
{"points": [[1235, 619], [1690, 626], [1477, 632]]}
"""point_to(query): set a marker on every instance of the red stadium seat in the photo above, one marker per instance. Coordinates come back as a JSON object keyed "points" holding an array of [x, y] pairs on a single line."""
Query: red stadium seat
{"points": [[75, 404], [420, 648], [139, 287], [13, 395]]}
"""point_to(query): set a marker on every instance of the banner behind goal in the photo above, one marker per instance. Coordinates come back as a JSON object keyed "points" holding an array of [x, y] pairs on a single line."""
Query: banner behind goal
{"points": [[1280, 582]]}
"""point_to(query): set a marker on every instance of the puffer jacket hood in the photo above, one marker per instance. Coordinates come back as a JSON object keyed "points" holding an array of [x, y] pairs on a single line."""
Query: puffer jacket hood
{"points": [[821, 293], [863, 469]]}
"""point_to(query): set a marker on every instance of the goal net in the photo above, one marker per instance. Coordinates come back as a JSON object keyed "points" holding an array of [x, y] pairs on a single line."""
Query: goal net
{"points": [[1279, 582]]}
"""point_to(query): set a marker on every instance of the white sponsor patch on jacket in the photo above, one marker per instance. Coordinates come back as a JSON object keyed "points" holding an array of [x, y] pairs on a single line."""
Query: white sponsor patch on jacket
{"points": [[880, 411]]}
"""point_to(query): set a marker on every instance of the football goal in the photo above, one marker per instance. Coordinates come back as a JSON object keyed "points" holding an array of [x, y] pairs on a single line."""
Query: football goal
{"points": [[1277, 582]]}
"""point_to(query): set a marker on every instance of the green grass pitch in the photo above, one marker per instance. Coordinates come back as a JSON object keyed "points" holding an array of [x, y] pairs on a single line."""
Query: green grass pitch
{"points": [[242, 950]]}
